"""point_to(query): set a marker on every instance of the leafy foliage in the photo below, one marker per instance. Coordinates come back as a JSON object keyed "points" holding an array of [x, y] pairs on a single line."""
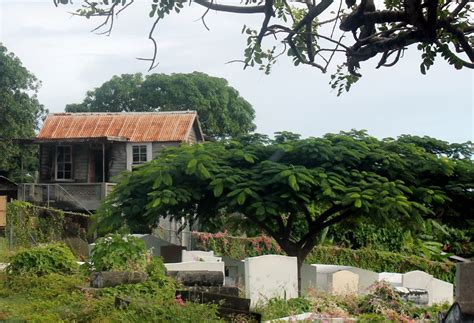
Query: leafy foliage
{"points": [[30, 224], [43, 260], [53, 298], [293, 189], [117, 252], [381, 304], [222, 111], [20, 116]]}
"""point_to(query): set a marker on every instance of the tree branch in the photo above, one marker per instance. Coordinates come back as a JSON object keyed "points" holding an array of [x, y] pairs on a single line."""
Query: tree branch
{"points": [[233, 9]]}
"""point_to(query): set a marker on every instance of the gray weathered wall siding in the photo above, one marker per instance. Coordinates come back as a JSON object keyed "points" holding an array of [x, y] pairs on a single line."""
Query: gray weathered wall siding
{"points": [[46, 171], [192, 139], [80, 162], [118, 160], [156, 147]]}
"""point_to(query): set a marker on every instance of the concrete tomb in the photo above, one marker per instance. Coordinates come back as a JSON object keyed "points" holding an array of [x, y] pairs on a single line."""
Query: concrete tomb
{"points": [[438, 291], [329, 278], [270, 276], [465, 287]]}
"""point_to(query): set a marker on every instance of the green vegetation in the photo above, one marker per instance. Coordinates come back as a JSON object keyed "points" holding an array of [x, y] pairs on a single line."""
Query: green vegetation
{"points": [[4, 250], [20, 116], [295, 189], [55, 297], [30, 225], [116, 252], [366, 258], [382, 304], [41, 284], [222, 111], [42, 260]]}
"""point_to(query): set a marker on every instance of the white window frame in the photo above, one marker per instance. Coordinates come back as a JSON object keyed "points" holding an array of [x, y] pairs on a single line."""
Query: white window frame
{"points": [[130, 146], [56, 163]]}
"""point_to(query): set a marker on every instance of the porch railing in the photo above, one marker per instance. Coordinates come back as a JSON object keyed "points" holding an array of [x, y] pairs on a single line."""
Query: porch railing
{"points": [[72, 196]]}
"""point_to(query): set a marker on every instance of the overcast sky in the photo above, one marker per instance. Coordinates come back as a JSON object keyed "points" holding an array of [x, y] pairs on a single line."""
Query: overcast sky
{"points": [[69, 60]]}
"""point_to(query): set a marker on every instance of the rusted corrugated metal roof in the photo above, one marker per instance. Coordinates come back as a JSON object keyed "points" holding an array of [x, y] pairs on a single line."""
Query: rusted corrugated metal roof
{"points": [[136, 127]]}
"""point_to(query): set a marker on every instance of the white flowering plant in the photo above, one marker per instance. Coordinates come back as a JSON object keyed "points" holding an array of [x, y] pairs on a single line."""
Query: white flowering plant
{"points": [[118, 252]]}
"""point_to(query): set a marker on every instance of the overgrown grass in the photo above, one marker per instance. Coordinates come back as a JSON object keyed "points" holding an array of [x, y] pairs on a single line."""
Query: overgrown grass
{"points": [[54, 298], [4, 252]]}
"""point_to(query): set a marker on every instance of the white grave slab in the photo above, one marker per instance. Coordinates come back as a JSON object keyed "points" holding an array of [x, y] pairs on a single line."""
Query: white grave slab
{"points": [[197, 255], [438, 291], [270, 276], [196, 266], [332, 279], [394, 279], [234, 272]]}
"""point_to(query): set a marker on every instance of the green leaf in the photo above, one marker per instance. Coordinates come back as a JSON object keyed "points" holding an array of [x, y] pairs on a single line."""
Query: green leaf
{"points": [[241, 198], [203, 171], [358, 203], [293, 183], [218, 189], [191, 168]]}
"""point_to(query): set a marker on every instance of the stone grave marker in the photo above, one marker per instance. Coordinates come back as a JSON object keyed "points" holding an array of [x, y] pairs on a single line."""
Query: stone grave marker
{"points": [[234, 272], [196, 266], [394, 279], [438, 291], [153, 243], [197, 255], [171, 253], [465, 287], [270, 276], [332, 279]]}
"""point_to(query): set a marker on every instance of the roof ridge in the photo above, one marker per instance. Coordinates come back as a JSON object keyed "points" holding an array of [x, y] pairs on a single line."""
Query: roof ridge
{"points": [[121, 113]]}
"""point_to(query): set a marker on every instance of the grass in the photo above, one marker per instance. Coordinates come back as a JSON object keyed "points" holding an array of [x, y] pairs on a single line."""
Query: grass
{"points": [[4, 252]]}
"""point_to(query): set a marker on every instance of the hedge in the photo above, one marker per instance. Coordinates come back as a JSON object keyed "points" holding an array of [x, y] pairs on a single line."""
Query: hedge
{"points": [[370, 259]]}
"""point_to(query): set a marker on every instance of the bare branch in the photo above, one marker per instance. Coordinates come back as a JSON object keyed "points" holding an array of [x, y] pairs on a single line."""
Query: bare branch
{"points": [[227, 8]]}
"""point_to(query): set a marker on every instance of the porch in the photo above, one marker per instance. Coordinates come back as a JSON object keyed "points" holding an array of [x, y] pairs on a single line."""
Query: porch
{"points": [[80, 197]]}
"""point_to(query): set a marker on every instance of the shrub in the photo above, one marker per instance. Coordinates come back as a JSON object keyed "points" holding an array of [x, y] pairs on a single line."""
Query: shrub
{"points": [[43, 260], [116, 252]]}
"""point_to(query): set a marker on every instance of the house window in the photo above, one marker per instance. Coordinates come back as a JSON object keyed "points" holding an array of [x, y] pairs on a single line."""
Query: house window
{"points": [[139, 154], [63, 162]]}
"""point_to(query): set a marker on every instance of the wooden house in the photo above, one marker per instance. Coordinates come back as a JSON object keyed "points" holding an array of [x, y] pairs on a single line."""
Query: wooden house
{"points": [[83, 154]]}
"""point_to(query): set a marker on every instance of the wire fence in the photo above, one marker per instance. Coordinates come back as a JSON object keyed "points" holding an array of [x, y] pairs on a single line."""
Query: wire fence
{"points": [[29, 225]]}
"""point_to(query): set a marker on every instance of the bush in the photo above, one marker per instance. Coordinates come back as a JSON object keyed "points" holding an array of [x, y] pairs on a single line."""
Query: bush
{"points": [[116, 252], [43, 260]]}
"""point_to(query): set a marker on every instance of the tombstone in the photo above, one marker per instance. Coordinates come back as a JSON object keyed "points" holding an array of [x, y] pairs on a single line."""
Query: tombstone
{"points": [[234, 272], [465, 287], [197, 255], [442, 292], [171, 253], [417, 296], [270, 276], [438, 291], [394, 279], [331, 279], [153, 243], [196, 266], [308, 278], [366, 279]]}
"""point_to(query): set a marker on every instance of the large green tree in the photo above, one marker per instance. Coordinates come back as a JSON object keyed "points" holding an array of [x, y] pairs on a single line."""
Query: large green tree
{"points": [[306, 31], [222, 111], [293, 188], [20, 115]]}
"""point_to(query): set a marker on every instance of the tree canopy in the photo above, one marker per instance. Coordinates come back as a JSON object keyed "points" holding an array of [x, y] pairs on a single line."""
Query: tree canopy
{"points": [[294, 188], [20, 114], [306, 31], [222, 111]]}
